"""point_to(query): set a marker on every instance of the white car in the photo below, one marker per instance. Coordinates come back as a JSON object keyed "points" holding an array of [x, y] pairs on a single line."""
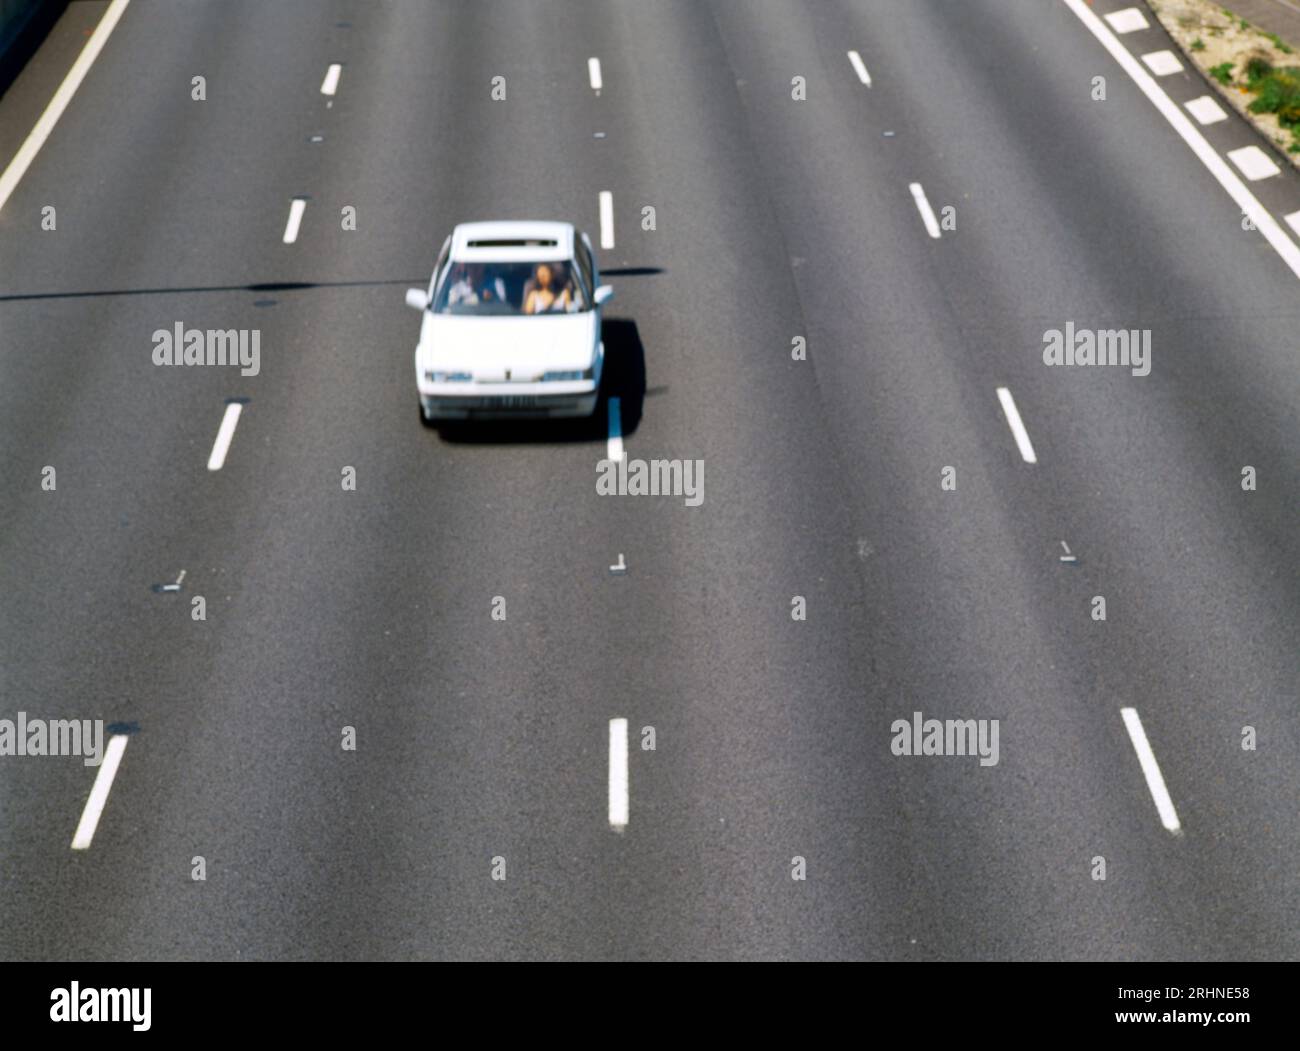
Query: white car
{"points": [[511, 324]]}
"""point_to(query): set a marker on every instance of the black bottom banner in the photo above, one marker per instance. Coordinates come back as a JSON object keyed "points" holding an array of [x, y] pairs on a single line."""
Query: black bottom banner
{"points": [[335, 1000]]}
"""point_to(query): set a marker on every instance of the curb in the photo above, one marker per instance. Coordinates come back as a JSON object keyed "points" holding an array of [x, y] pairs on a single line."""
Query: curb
{"points": [[1232, 97]]}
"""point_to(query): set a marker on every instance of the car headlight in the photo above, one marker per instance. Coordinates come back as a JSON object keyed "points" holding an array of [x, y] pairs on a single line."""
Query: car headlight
{"points": [[576, 374], [448, 377]]}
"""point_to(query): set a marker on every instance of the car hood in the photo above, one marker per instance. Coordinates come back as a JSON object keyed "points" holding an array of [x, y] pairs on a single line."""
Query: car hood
{"points": [[525, 346]]}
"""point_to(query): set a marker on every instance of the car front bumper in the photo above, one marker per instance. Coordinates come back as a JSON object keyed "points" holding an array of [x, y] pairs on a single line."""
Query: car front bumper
{"points": [[516, 401]]}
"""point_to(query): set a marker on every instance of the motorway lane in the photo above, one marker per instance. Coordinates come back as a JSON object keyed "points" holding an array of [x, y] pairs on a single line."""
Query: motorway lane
{"points": [[768, 738], [137, 502], [766, 710]]}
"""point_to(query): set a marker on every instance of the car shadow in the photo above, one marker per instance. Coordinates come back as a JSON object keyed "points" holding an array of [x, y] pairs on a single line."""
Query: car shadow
{"points": [[260, 286], [632, 271], [624, 378]]}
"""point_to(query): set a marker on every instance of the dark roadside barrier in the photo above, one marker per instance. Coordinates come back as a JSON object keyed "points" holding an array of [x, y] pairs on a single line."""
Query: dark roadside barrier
{"points": [[23, 25]]}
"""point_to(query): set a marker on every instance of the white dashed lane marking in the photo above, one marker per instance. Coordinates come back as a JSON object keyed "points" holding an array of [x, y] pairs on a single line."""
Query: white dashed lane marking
{"points": [[225, 435], [593, 71], [1205, 110], [331, 82], [1151, 769], [296, 208], [860, 68], [606, 219], [618, 791], [614, 447], [1017, 426], [1254, 163], [1130, 20], [923, 206], [99, 792], [1162, 63]]}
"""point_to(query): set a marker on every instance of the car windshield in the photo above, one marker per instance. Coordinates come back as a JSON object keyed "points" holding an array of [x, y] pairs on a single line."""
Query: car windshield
{"points": [[510, 288]]}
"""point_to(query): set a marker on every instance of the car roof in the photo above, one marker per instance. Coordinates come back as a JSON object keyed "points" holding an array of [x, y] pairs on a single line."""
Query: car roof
{"points": [[500, 242]]}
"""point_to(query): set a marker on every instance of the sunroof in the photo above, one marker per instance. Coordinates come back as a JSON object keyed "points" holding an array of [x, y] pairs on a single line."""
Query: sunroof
{"points": [[515, 242]]}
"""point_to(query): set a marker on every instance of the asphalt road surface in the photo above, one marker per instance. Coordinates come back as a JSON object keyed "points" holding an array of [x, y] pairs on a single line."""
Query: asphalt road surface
{"points": [[482, 745]]}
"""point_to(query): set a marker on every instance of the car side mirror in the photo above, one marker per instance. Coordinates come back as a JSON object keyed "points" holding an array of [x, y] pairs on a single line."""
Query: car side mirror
{"points": [[603, 293], [417, 299]]}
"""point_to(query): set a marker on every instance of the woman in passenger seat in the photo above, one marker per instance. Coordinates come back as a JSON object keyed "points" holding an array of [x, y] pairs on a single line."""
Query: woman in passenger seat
{"points": [[542, 297]]}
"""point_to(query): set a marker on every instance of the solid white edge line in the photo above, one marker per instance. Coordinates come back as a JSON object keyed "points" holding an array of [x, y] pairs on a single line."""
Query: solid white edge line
{"points": [[331, 82], [54, 110], [225, 434], [606, 219], [1151, 769], [1227, 178], [296, 208], [614, 447], [860, 68], [1017, 426], [593, 71], [618, 794], [99, 792], [923, 206]]}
